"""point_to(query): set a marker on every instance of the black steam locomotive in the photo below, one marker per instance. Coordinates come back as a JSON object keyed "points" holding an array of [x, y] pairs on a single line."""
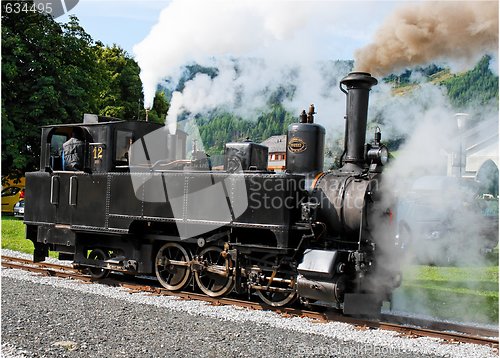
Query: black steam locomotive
{"points": [[141, 205]]}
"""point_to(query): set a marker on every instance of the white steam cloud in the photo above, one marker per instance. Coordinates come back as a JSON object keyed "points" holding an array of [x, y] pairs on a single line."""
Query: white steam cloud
{"points": [[194, 30], [287, 37], [438, 218], [244, 86]]}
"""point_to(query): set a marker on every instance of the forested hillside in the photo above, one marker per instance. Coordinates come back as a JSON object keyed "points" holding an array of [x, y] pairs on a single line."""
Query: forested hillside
{"points": [[477, 86], [219, 128]]}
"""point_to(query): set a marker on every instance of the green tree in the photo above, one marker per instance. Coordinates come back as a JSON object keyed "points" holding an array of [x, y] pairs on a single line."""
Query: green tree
{"points": [[158, 112], [121, 88], [54, 73], [48, 76]]}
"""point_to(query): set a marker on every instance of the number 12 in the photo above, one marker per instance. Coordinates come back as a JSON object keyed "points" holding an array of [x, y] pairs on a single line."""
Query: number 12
{"points": [[97, 152]]}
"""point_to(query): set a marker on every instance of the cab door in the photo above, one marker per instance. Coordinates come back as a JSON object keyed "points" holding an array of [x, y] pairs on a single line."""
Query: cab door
{"points": [[64, 192], [62, 188]]}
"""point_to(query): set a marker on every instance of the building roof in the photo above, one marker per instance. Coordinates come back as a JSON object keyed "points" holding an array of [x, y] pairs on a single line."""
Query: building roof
{"points": [[276, 143]]}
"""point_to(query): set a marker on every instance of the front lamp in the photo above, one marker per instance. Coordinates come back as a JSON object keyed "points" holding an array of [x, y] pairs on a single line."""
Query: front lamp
{"points": [[378, 155]]}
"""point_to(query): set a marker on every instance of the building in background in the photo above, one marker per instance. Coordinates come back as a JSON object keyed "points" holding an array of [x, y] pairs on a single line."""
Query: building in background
{"points": [[277, 152], [476, 157]]}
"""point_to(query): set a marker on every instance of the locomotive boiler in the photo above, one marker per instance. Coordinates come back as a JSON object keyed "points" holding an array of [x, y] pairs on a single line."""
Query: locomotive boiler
{"points": [[142, 205]]}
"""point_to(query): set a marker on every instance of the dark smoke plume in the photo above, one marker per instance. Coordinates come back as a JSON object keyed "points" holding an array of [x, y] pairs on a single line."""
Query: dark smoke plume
{"points": [[417, 34]]}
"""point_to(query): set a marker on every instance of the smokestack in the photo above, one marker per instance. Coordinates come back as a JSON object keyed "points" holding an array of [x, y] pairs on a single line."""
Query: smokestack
{"points": [[358, 86]]}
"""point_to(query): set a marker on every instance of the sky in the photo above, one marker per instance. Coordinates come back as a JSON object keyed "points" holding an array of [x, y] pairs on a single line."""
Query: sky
{"points": [[123, 22], [128, 22]]}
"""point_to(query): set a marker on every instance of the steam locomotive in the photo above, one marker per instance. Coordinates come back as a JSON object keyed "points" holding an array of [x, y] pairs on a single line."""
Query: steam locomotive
{"points": [[142, 205]]}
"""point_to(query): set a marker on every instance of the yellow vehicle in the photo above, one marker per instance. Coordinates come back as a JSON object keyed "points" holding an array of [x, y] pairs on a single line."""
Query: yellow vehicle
{"points": [[12, 192]]}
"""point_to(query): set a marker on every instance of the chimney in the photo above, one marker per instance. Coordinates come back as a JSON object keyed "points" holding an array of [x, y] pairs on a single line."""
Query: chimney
{"points": [[358, 85]]}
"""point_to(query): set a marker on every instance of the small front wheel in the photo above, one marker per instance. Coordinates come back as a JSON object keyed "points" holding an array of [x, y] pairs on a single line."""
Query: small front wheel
{"points": [[97, 272]]}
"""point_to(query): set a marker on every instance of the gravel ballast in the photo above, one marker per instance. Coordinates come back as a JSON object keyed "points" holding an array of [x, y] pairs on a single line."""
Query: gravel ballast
{"points": [[53, 317]]}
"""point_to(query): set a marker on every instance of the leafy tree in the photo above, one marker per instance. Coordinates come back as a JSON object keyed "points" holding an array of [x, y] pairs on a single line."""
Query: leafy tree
{"points": [[158, 112], [48, 76], [54, 73], [121, 92]]}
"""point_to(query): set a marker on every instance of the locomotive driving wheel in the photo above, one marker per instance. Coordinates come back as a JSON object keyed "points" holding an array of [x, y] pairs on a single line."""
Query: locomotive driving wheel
{"points": [[172, 266], [214, 279], [97, 272], [279, 283]]}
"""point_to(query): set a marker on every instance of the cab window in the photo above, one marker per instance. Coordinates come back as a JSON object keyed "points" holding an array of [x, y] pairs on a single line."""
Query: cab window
{"points": [[123, 142], [56, 148], [56, 143]]}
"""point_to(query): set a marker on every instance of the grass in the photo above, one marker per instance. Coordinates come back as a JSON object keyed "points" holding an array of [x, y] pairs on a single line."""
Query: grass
{"points": [[457, 293], [14, 236]]}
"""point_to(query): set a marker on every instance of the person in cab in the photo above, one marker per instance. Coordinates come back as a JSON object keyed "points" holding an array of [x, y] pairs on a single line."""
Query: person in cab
{"points": [[73, 153]]}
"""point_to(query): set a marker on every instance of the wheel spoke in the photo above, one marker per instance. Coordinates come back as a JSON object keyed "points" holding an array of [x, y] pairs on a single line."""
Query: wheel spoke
{"points": [[211, 283], [277, 299], [173, 277]]}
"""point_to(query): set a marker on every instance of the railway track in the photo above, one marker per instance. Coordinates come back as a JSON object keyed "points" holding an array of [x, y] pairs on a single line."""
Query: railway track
{"points": [[407, 326]]}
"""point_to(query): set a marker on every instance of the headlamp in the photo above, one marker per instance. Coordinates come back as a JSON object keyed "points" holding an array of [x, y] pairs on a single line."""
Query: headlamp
{"points": [[378, 155]]}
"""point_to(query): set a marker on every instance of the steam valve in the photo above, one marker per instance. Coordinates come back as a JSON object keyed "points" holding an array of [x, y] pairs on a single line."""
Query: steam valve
{"points": [[303, 117], [310, 114]]}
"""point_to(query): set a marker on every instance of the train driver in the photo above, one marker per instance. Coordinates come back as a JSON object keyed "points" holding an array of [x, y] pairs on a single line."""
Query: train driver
{"points": [[73, 152]]}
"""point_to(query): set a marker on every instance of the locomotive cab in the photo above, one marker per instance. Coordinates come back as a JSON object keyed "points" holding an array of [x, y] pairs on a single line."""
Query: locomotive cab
{"points": [[59, 200], [106, 144]]}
